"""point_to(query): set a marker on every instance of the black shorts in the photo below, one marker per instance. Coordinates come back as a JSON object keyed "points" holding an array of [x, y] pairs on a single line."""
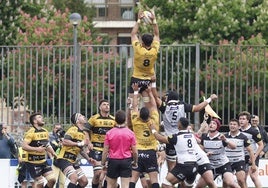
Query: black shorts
{"points": [[147, 161], [221, 170], [63, 163], [238, 166], [37, 170], [248, 162], [97, 155], [185, 172], [119, 168], [203, 168], [143, 84]]}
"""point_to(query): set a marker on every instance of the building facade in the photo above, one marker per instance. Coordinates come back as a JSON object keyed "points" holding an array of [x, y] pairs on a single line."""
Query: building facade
{"points": [[115, 18]]}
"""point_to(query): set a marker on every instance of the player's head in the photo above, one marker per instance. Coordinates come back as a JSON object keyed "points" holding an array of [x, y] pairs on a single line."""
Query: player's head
{"points": [[215, 121], [74, 118], [144, 114], [234, 125], [78, 118], [120, 117], [244, 118], [36, 118], [104, 106], [172, 95], [183, 123], [147, 39]]}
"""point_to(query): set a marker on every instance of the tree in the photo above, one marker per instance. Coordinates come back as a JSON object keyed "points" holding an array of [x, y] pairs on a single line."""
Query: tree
{"points": [[48, 40], [238, 72], [209, 21], [9, 21]]}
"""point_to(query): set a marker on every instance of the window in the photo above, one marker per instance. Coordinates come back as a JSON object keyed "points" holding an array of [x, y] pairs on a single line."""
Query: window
{"points": [[101, 7], [127, 13]]}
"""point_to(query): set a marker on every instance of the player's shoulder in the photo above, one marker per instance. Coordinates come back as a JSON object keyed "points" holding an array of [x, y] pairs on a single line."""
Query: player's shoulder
{"points": [[111, 117]]}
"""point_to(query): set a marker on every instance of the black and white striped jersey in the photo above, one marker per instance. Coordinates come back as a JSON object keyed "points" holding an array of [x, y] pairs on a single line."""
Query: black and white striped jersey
{"points": [[253, 135], [242, 142], [216, 146]]}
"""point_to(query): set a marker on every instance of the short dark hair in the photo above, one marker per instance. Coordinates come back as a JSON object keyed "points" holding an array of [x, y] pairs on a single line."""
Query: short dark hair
{"points": [[172, 95], [102, 101], [245, 113], [74, 118], [32, 117], [147, 39], [184, 122], [234, 120], [144, 113], [120, 117]]}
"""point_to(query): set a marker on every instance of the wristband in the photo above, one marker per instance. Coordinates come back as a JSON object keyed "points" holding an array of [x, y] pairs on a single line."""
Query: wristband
{"points": [[80, 143], [208, 100], [153, 84], [136, 92], [154, 21], [154, 131], [139, 21]]}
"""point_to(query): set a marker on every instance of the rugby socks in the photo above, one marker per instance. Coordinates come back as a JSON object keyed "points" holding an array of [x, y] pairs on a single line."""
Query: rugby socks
{"points": [[132, 185], [104, 184], [155, 185], [71, 185], [95, 185]]}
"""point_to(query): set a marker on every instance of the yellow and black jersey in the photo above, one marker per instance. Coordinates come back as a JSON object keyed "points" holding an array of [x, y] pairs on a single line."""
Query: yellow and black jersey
{"points": [[70, 152], [144, 60], [23, 155], [35, 138], [99, 127], [144, 136]]}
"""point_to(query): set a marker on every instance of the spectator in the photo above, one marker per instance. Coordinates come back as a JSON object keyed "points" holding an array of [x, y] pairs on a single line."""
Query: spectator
{"points": [[7, 144], [255, 122]]}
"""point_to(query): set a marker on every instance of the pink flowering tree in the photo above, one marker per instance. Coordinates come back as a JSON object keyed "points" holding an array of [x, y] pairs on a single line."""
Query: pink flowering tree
{"points": [[237, 73], [44, 59]]}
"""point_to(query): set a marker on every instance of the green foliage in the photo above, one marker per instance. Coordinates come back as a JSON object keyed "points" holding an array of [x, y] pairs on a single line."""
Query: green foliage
{"points": [[208, 21], [9, 21], [237, 72]]}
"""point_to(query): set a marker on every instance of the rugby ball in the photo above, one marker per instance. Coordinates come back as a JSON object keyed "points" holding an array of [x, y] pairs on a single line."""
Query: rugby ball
{"points": [[147, 19]]}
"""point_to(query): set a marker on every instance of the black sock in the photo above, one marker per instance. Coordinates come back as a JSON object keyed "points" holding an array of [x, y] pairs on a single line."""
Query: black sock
{"points": [[104, 184], [155, 185], [71, 185], [95, 185], [132, 185]]}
